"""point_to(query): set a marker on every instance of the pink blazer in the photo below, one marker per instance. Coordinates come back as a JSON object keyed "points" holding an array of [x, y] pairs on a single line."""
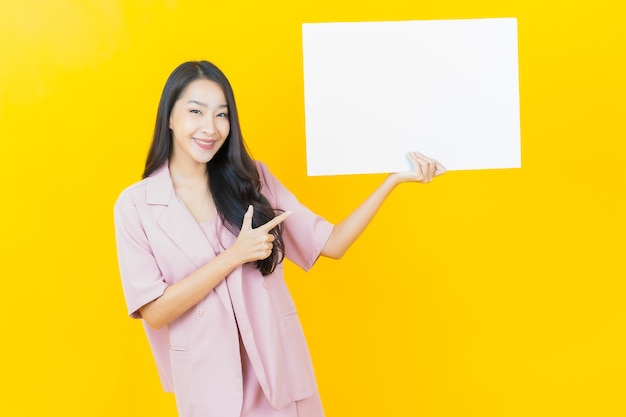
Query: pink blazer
{"points": [[197, 356]]}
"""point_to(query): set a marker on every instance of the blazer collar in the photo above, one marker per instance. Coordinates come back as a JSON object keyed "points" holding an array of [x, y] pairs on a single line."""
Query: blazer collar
{"points": [[176, 220]]}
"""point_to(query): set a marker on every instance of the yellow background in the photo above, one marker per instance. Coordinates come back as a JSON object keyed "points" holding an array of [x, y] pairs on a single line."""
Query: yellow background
{"points": [[486, 293]]}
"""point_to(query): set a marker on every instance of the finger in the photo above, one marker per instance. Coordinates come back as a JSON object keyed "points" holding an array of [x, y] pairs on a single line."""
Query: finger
{"points": [[421, 168], [434, 168], [415, 162], [414, 157], [247, 219], [431, 169], [423, 171], [275, 221], [439, 169], [266, 254]]}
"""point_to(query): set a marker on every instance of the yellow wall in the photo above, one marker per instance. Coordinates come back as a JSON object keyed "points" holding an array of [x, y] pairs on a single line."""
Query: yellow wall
{"points": [[487, 293]]}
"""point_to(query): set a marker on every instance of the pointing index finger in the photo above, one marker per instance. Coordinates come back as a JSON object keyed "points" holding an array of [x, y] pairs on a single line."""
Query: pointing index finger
{"points": [[275, 221]]}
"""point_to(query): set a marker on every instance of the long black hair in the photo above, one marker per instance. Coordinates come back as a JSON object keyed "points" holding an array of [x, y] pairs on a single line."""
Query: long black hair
{"points": [[234, 181]]}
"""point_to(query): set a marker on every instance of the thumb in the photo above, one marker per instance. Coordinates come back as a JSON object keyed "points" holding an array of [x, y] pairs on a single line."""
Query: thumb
{"points": [[247, 219]]}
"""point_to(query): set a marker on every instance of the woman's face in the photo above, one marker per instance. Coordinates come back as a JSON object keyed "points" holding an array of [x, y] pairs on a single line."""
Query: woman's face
{"points": [[199, 123]]}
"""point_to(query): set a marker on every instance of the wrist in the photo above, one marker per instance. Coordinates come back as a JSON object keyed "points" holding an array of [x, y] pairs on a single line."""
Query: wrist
{"points": [[230, 260], [394, 179]]}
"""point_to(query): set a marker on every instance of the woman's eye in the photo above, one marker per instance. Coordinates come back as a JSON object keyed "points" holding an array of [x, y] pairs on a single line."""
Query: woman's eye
{"points": [[195, 111], [222, 115]]}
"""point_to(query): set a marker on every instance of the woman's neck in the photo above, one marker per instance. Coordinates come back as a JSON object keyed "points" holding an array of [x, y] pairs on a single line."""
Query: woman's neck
{"points": [[188, 175]]}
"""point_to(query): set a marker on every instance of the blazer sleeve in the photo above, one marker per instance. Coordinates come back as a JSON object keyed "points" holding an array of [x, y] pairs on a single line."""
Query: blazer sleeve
{"points": [[305, 233], [142, 279]]}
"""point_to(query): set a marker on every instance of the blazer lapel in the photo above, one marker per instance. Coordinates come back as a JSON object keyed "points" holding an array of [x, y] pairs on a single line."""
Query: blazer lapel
{"points": [[179, 224]]}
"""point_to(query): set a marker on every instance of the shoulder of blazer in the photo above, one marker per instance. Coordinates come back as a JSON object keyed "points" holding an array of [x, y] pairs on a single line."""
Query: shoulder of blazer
{"points": [[267, 180], [159, 187]]}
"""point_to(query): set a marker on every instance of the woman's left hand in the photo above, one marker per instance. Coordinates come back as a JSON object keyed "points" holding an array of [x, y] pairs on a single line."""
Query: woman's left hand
{"points": [[424, 169], [348, 230]]}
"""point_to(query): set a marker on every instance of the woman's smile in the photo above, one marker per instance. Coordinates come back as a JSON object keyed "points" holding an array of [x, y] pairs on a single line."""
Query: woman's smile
{"points": [[206, 144]]}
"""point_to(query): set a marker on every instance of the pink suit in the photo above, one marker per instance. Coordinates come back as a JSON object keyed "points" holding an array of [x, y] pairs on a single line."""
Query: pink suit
{"points": [[197, 355]]}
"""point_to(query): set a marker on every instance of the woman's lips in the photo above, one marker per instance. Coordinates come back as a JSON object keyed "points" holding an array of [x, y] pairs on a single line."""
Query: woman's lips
{"points": [[205, 143]]}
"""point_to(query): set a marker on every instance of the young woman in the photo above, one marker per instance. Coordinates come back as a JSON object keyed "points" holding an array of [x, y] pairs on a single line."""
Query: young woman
{"points": [[200, 243]]}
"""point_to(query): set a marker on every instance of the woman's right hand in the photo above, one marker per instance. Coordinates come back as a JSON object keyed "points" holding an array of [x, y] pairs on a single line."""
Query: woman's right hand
{"points": [[256, 244]]}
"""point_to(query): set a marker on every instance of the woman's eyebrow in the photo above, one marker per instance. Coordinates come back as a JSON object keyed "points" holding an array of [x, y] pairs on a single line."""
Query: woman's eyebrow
{"points": [[202, 104], [199, 103]]}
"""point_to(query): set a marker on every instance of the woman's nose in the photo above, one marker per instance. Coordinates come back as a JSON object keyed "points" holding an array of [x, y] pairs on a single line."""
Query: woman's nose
{"points": [[208, 126]]}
